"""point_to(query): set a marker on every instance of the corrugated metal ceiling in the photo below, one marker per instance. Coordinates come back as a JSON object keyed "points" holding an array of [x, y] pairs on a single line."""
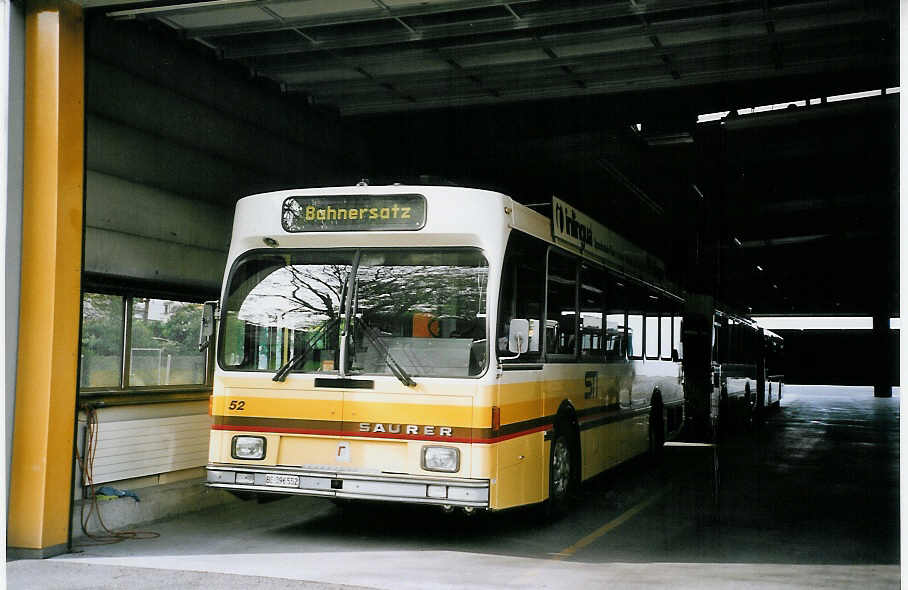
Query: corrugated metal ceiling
{"points": [[381, 56]]}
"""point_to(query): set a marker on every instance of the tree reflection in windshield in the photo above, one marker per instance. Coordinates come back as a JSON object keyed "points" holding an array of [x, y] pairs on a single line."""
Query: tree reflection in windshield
{"points": [[428, 309], [298, 297], [426, 306]]}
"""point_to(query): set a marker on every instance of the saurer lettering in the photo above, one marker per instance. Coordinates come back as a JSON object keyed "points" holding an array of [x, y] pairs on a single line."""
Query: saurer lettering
{"points": [[406, 429]]}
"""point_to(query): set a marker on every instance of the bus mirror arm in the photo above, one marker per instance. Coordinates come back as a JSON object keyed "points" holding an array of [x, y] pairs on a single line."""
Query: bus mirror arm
{"points": [[206, 328]]}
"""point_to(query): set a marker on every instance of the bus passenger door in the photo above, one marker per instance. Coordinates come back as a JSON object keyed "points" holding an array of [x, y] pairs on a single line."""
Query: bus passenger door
{"points": [[522, 459]]}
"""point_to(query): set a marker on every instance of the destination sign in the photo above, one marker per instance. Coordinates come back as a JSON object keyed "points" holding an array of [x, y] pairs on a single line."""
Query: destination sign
{"points": [[578, 231], [354, 213]]}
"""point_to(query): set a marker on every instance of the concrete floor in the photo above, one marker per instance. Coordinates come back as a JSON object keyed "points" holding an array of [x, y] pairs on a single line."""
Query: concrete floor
{"points": [[810, 500]]}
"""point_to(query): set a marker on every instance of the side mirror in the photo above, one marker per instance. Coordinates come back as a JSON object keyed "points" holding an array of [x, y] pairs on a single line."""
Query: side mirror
{"points": [[519, 336], [206, 328]]}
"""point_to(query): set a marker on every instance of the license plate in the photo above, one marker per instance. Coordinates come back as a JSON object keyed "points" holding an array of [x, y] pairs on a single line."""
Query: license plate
{"points": [[283, 481]]}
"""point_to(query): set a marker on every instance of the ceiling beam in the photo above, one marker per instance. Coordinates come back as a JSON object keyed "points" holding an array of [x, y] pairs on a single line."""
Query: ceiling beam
{"points": [[717, 29], [651, 80], [547, 67], [546, 18], [339, 17], [837, 12]]}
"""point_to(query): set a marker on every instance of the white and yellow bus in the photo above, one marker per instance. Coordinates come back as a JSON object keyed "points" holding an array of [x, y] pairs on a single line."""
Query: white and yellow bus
{"points": [[436, 345]]}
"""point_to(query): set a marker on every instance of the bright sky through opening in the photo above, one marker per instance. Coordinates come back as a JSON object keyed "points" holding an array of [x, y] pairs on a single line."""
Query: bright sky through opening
{"points": [[820, 322], [798, 103]]}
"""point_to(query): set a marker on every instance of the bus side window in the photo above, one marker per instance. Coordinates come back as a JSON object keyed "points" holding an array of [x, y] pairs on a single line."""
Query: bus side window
{"points": [[635, 335], [616, 322], [665, 336], [522, 283], [677, 350], [592, 303], [651, 336], [562, 305], [639, 306]]}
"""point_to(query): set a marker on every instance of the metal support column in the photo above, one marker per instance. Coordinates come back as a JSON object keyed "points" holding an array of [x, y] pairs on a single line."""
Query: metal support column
{"points": [[702, 249], [42, 459], [698, 386], [883, 352], [885, 301]]}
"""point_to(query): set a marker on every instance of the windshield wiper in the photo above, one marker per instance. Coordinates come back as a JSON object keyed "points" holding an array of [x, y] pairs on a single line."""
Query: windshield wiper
{"points": [[346, 310], [285, 369], [392, 363]]}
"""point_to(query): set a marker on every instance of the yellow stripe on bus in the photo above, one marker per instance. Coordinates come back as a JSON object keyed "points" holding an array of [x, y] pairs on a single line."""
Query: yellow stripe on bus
{"points": [[447, 415], [517, 401], [270, 407]]}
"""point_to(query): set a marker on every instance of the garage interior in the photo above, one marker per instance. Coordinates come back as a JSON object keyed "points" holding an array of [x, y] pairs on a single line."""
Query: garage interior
{"points": [[752, 145]]}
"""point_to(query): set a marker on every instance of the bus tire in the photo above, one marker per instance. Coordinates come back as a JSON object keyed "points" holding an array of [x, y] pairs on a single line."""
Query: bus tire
{"points": [[561, 475]]}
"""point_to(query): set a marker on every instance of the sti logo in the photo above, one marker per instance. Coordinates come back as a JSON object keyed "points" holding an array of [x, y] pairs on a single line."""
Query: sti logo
{"points": [[568, 225]]}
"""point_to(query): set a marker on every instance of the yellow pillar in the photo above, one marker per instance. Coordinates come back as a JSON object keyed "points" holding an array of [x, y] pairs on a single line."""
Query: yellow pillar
{"points": [[42, 460]]}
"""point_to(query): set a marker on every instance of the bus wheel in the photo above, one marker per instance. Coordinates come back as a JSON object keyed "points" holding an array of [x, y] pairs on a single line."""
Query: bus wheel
{"points": [[560, 476]]}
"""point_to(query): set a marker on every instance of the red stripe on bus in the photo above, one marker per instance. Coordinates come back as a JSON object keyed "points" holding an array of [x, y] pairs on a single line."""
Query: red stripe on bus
{"points": [[496, 439], [266, 430]]}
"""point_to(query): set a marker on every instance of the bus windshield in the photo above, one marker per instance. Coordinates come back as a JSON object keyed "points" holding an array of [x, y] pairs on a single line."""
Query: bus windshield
{"points": [[426, 308]]}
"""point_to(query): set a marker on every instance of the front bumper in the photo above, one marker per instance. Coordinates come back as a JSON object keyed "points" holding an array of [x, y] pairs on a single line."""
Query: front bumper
{"points": [[353, 485]]}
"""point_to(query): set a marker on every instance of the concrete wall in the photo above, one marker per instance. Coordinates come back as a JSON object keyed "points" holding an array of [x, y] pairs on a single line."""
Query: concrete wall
{"points": [[173, 138], [12, 208], [155, 235]]}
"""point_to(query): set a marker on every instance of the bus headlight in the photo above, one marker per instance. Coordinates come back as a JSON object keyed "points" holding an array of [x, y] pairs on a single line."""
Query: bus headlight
{"points": [[445, 459], [248, 447]]}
